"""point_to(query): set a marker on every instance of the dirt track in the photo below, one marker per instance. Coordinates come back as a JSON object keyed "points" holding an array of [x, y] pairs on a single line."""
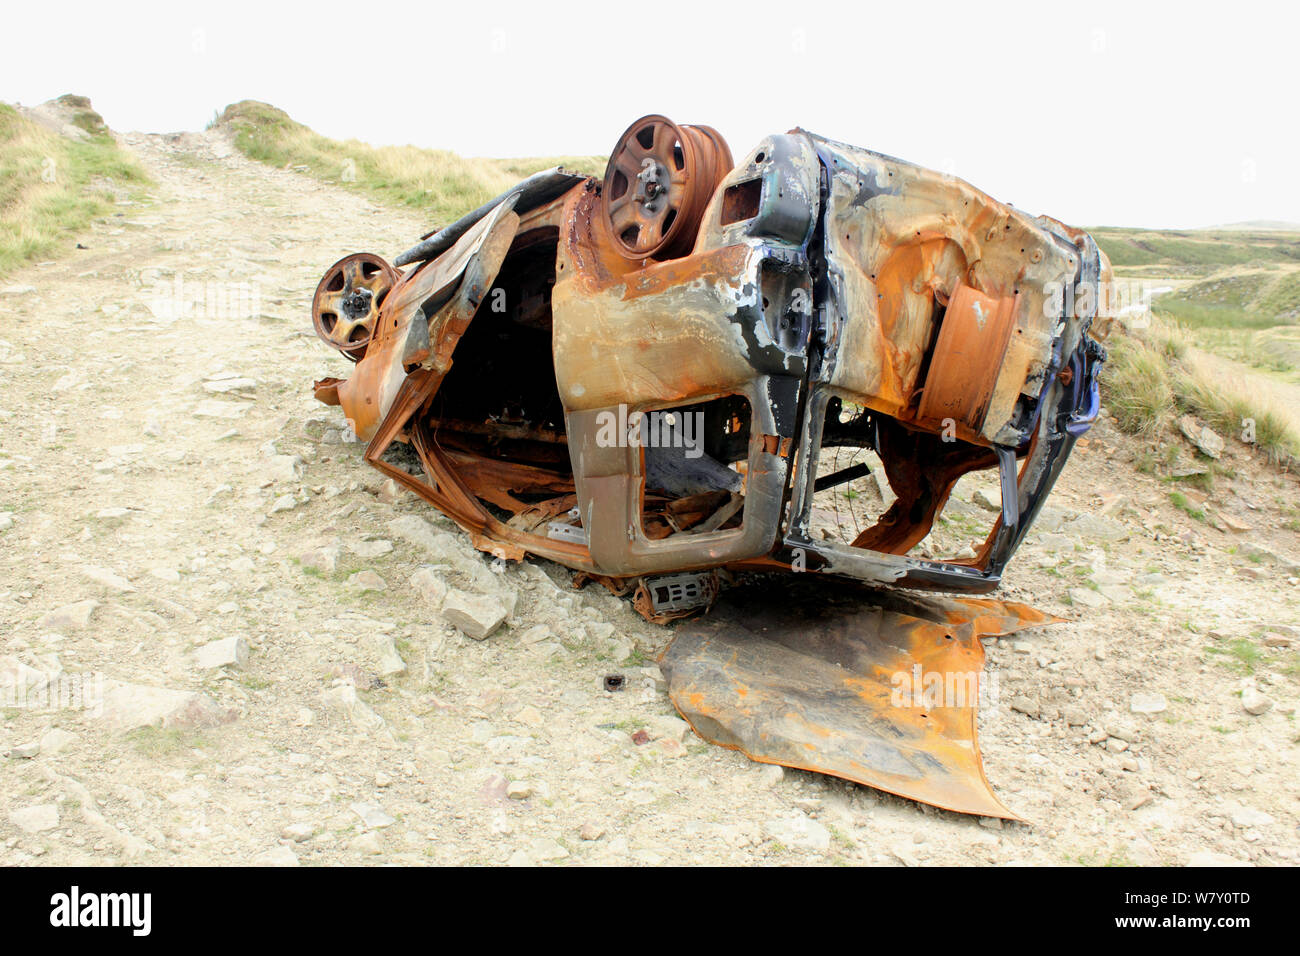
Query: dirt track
{"points": [[171, 466]]}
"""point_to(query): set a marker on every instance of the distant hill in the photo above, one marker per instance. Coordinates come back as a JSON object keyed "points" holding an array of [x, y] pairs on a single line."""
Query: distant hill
{"points": [[1196, 252], [1257, 225]]}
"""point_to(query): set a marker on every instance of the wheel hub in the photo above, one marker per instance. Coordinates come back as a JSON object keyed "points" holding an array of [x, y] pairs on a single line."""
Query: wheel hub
{"points": [[345, 308], [357, 305]]}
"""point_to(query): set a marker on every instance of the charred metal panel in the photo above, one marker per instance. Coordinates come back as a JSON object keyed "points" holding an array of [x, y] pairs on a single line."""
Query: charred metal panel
{"points": [[899, 241], [848, 299], [402, 335]]}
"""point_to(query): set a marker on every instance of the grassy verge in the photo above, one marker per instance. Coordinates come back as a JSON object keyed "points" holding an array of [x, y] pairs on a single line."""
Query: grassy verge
{"points": [[436, 181], [1153, 377], [52, 187]]}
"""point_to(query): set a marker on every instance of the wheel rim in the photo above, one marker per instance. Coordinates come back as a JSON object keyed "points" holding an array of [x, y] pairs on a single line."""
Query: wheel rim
{"points": [[346, 305], [658, 183]]}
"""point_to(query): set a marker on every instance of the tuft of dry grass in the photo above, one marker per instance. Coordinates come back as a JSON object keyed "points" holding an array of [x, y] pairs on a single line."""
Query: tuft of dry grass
{"points": [[1227, 408], [445, 184], [1156, 374], [1137, 387]]}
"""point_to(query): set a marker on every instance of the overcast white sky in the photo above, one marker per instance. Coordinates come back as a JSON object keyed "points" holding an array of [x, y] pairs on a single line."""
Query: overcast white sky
{"points": [[1094, 112]]}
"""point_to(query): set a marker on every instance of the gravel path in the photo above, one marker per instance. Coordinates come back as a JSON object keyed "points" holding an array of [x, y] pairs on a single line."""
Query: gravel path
{"points": [[171, 497]]}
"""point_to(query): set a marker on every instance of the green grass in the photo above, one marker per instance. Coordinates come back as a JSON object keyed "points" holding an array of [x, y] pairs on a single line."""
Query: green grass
{"points": [[1194, 252], [1180, 501], [439, 182], [1253, 300], [156, 742], [1241, 654], [52, 187]]}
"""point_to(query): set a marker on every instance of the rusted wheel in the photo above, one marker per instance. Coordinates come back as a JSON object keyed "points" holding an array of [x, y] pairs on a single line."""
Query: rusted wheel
{"points": [[723, 162], [347, 301], [658, 183]]}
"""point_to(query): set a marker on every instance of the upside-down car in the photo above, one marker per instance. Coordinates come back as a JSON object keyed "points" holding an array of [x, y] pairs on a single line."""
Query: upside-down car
{"points": [[649, 378]]}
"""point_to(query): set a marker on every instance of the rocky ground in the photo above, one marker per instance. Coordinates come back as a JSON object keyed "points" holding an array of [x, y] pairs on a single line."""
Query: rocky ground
{"points": [[179, 517]]}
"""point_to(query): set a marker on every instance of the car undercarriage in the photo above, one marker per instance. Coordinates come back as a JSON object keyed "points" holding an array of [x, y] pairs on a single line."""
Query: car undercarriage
{"points": [[687, 377], [652, 379]]}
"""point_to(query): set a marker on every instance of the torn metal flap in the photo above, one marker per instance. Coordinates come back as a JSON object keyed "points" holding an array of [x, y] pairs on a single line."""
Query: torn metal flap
{"points": [[882, 692], [401, 337]]}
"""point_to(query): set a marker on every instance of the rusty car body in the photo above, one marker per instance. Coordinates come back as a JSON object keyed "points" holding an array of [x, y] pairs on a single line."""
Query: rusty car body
{"points": [[754, 315]]}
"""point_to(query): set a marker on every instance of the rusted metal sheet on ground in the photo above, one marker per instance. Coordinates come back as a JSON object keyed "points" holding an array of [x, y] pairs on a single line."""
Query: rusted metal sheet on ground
{"points": [[882, 690]]}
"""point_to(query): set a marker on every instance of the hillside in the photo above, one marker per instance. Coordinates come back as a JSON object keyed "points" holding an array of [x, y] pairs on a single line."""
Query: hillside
{"points": [[438, 182], [60, 168]]}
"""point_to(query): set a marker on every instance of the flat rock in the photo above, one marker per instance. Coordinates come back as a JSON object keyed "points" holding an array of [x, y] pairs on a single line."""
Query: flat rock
{"points": [[129, 706], [1025, 705], [227, 652], [283, 468], [1250, 817], [1092, 527], [430, 585], [368, 549], [298, 832], [372, 815], [367, 844], [344, 699], [107, 578], [1147, 702], [1055, 542], [1087, 597], [283, 503], [367, 581], [414, 529], [35, 819], [277, 856], [225, 386], [384, 649], [69, 616], [216, 408], [56, 741], [1205, 440], [544, 848], [474, 615], [323, 559]]}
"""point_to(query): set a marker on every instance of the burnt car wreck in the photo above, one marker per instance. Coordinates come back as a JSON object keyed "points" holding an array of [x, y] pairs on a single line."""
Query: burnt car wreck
{"points": [[645, 379], [681, 372]]}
